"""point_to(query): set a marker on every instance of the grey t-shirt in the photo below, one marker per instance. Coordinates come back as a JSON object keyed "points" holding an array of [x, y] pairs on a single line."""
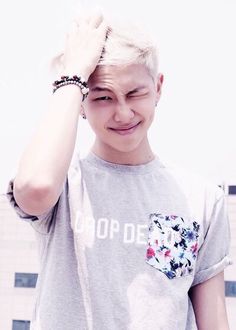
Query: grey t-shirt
{"points": [[152, 233]]}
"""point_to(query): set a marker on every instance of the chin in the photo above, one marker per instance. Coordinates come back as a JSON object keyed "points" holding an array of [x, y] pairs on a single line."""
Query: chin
{"points": [[125, 148]]}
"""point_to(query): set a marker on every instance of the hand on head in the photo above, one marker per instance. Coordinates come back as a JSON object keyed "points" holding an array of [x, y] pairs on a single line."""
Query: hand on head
{"points": [[84, 45]]}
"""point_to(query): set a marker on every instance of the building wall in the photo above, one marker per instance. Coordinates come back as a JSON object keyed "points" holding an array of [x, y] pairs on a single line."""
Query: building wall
{"points": [[18, 253], [230, 272]]}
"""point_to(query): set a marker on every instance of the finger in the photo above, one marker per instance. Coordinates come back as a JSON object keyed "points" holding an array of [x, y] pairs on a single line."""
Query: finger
{"points": [[81, 19], [104, 29], [73, 28], [96, 20]]}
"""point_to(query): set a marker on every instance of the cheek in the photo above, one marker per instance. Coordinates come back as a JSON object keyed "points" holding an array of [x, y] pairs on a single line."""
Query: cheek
{"points": [[143, 104], [149, 114], [145, 109], [97, 118], [149, 118]]}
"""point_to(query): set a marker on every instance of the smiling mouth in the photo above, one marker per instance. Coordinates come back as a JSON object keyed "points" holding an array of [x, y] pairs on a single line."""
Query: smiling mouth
{"points": [[125, 130]]}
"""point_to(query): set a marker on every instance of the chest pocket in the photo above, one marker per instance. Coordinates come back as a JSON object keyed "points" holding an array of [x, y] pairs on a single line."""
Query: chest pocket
{"points": [[172, 244]]}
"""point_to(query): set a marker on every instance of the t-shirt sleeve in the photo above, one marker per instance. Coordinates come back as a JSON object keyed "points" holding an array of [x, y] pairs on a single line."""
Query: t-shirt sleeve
{"points": [[213, 255], [24, 216]]}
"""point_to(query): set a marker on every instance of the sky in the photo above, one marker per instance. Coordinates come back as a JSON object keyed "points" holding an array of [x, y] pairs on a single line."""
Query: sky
{"points": [[195, 118]]}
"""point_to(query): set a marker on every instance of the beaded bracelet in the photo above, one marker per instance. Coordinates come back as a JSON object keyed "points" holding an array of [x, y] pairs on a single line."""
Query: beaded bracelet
{"points": [[75, 80]]}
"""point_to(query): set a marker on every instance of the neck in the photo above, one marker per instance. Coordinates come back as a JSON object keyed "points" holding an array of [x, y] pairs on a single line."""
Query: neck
{"points": [[141, 155]]}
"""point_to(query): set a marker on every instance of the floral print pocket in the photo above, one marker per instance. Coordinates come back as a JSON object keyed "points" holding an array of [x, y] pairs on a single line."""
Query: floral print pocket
{"points": [[172, 244]]}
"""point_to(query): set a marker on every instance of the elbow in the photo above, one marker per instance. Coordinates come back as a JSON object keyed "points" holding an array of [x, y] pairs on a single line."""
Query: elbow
{"points": [[34, 197]]}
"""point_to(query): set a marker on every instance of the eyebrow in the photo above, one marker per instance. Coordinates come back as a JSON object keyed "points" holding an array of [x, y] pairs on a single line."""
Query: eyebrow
{"points": [[105, 89], [100, 89]]}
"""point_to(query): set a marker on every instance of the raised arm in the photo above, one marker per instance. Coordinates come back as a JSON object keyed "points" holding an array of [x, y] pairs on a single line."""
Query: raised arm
{"points": [[45, 162]]}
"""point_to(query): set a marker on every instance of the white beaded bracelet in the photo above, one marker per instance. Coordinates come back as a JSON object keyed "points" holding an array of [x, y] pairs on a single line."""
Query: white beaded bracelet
{"points": [[75, 80]]}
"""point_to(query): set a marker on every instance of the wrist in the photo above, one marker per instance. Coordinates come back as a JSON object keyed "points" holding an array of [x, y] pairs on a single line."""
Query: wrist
{"points": [[79, 72], [72, 80]]}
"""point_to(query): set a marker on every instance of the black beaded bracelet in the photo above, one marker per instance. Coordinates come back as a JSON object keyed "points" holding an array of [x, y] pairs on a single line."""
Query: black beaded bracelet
{"points": [[75, 80]]}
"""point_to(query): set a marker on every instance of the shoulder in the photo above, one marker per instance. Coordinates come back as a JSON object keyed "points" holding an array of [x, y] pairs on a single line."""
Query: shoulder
{"points": [[194, 183], [200, 194]]}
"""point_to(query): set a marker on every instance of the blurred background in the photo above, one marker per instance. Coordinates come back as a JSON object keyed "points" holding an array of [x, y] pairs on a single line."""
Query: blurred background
{"points": [[194, 124]]}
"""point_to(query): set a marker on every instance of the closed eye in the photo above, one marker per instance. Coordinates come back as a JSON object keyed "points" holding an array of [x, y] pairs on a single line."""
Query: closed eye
{"points": [[137, 94]]}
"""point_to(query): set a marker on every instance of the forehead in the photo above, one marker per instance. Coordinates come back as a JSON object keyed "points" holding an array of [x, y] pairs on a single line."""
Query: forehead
{"points": [[120, 76]]}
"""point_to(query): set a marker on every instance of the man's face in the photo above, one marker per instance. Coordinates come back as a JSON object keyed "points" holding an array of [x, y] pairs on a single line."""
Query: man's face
{"points": [[120, 106]]}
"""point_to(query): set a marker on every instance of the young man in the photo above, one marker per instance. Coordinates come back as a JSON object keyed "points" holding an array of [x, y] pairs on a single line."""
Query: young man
{"points": [[125, 242]]}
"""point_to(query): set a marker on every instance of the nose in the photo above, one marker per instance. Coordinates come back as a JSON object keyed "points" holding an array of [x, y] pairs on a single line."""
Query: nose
{"points": [[123, 113]]}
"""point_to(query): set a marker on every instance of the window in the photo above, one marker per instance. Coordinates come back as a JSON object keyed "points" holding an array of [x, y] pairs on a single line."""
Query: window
{"points": [[25, 280], [230, 288], [20, 325], [232, 190]]}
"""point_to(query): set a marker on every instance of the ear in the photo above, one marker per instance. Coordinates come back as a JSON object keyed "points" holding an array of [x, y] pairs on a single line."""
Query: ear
{"points": [[159, 82]]}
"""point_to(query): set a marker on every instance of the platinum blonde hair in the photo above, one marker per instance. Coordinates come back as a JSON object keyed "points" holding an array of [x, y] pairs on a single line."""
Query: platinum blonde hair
{"points": [[126, 43]]}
